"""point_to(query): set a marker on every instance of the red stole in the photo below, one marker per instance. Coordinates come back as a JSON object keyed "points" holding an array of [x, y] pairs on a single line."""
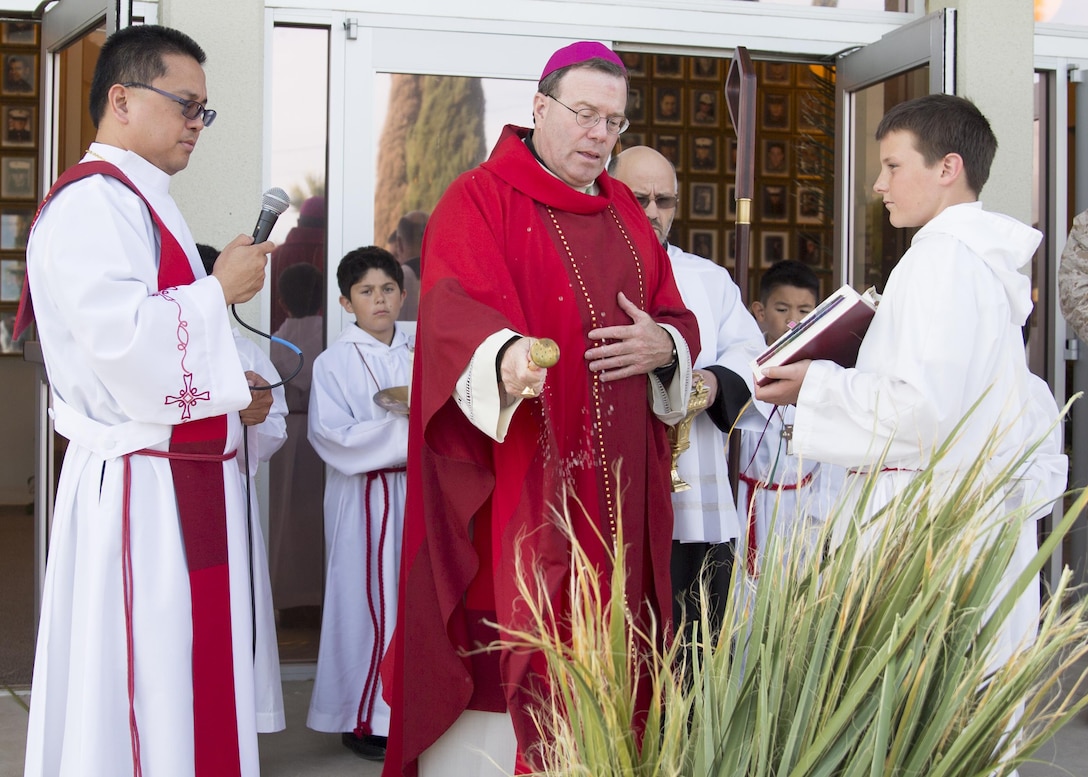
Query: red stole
{"points": [[196, 456]]}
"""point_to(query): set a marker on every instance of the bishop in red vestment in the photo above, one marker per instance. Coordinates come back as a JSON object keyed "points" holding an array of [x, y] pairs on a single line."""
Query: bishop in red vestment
{"points": [[536, 242]]}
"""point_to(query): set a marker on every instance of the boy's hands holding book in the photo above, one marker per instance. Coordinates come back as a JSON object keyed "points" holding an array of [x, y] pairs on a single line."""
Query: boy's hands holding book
{"points": [[785, 383]]}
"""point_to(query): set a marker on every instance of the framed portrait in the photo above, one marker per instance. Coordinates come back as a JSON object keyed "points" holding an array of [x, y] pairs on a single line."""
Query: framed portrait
{"points": [[704, 243], [705, 105], [19, 33], [814, 114], [706, 69], [776, 111], [12, 273], [634, 61], [731, 155], [731, 248], [17, 126], [772, 247], [629, 139], [777, 73], [774, 157], [809, 160], [702, 200], [668, 66], [636, 105], [8, 346], [704, 154], [731, 201], [670, 147], [14, 228], [810, 248], [17, 178], [772, 203], [810, 205], [20, 77], [668, 105]]}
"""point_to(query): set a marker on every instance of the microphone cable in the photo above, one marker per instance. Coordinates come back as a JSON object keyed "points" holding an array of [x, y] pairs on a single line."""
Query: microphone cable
{"points": [[286, 343]]}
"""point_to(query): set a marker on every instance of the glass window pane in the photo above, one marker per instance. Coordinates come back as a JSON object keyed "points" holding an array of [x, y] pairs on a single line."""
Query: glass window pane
{"points": [[877, 245], [300, 109]]}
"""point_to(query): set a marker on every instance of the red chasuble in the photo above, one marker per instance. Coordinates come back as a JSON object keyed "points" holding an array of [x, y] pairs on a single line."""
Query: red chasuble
{"points": [[511, 246], [196, 456]]}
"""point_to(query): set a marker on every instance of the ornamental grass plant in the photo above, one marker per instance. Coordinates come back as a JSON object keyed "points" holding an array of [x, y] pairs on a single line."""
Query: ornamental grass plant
{"points": [[872, 658]]}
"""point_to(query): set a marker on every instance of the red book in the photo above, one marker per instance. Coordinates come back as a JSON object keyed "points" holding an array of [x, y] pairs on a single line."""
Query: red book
{"points": [[832, 331]]}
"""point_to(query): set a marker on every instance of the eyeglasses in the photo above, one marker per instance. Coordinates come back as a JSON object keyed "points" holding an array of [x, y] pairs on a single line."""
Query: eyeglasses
{"points": [[190, 109], [663, 201], [587, 117]]}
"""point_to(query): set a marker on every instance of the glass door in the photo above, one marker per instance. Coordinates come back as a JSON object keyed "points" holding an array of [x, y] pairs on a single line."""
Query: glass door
{"points": [[912, 61]]}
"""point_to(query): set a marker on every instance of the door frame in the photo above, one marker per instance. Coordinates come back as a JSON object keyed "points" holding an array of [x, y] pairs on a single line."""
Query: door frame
{"points": [[930, 41]]}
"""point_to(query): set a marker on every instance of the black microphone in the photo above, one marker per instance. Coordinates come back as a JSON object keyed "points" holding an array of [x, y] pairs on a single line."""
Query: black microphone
{"points": [[274, 203]]}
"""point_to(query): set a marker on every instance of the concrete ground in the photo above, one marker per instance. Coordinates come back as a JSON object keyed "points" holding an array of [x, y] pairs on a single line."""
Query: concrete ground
{"points": [[299, 752]]}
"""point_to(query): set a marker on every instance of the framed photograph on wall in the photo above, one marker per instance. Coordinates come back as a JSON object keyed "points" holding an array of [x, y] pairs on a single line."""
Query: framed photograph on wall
{"points": [[809, 158], [704, 243], [704, 154], [731, 201], [14, 228], [12, 274], [20, 77], [810, 205], [671, 147], [17, 178], [810, 248], [19, 33], [772, 203], [776, 111], [777, 73], [774, 157], [702, 200], [706, 69], [17, 126], [634, 61], [814, 115], [705, 107], [668, 66], [731, 248], [773, 247], [668, 105]]}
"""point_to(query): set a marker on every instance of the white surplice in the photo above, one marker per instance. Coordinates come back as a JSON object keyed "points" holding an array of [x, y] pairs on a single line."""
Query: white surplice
{"points": [[354, 436], [779, 491], [111, 346], [264, 439], [730, 338], [947, 334]]}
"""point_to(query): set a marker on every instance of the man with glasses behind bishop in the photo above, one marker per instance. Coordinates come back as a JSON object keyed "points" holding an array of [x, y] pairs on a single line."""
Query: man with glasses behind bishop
{"points": [[537, 242], [144, 658]]}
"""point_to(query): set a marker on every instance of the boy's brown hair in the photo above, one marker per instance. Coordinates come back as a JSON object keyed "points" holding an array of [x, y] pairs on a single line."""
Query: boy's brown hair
{"points": [[944, 124]]}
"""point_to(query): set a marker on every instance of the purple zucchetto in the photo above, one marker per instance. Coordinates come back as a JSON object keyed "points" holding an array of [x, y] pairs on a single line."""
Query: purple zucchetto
{"points": [[581, 51]]}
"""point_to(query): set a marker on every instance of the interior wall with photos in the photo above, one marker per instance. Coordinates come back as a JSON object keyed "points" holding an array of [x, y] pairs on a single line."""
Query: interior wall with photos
{"points": [[19, 185], [19, 90], [677, 105]]}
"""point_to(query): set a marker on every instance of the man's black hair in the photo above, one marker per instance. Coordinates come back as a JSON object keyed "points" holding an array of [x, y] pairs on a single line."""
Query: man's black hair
{"points": [[788, 272], [135, 54]]}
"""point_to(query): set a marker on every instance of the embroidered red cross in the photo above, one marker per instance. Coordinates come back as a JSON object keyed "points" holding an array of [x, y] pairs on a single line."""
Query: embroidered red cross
{"points": [[188, 398]]}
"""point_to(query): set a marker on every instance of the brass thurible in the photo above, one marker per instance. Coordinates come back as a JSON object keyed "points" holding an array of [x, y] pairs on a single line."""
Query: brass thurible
{"points": [[680, 435]]}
